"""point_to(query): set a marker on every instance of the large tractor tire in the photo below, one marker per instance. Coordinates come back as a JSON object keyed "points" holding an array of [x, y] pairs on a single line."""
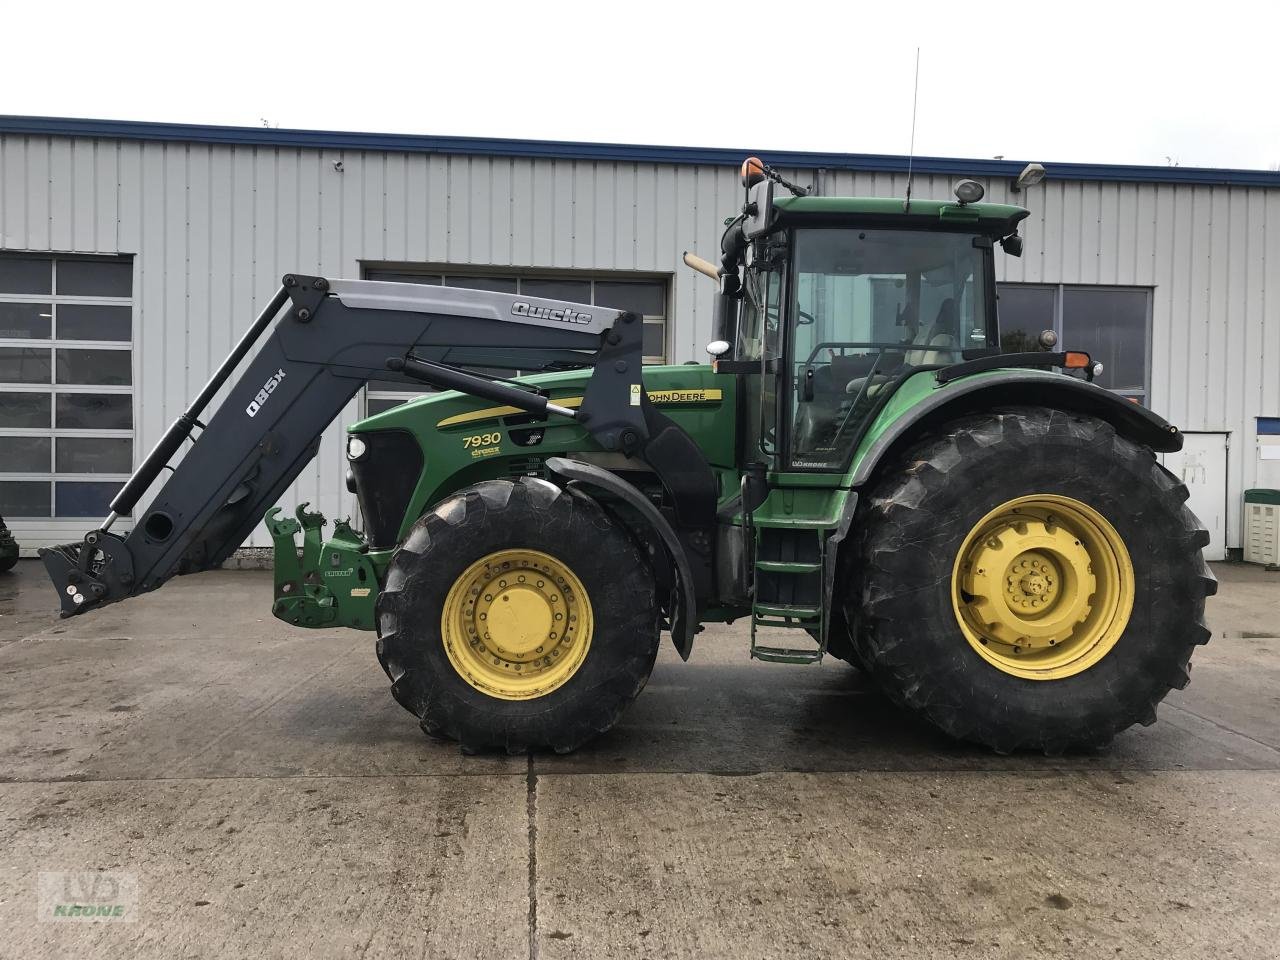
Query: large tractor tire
{"points": [[517, 615], [1028, 579], [840, 640]]}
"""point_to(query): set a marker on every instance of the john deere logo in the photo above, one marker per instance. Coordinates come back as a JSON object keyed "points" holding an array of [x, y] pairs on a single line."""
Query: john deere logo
{"points": [[565, 315], [685, 396]]}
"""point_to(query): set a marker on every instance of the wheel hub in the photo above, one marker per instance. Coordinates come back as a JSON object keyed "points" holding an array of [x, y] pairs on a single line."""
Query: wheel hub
{"points": [[1043, 587], [517, 624]]}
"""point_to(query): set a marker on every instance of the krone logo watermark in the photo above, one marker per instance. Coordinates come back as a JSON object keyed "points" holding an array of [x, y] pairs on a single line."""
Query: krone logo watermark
{"points": [[88, 896]]}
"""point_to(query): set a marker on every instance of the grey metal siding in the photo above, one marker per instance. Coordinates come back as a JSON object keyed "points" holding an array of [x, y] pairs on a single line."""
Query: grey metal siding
{"points": [[214, 226]]}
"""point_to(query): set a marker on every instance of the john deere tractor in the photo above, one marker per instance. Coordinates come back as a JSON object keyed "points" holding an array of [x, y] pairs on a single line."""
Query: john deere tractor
{"points": [[860, 471]]}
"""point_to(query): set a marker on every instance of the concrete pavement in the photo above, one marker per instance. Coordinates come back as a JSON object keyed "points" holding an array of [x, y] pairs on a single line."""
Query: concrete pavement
{"points": [[269, 799]]}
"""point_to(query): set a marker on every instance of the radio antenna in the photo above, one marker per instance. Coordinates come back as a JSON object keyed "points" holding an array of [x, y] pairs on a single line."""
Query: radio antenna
{"points": [[911, 154]]}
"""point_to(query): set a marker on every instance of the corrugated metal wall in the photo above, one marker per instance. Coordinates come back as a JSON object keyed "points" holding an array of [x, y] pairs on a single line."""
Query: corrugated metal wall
{"points": [[214, 227]]}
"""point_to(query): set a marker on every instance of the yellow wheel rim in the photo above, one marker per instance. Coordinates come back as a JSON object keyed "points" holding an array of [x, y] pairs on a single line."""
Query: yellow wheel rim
{"points": [[517, 624], [1043, 587]]}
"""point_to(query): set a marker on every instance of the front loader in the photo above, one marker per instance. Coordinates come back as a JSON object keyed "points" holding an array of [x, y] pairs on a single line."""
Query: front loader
{"points": [[860, 472]]}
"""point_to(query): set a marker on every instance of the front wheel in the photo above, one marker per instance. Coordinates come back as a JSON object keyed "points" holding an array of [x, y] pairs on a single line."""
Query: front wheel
{"points": [[518, 615], [1028, 579]]}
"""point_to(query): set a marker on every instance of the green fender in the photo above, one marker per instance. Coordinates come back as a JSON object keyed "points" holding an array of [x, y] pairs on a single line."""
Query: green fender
{"points": [[920, 403]]}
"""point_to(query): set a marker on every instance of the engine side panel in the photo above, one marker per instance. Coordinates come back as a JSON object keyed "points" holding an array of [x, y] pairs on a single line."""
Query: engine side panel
{"points": [[465, 440]]}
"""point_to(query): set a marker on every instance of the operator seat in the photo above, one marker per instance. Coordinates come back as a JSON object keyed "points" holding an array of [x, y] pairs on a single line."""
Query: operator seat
{"points": [[941, 339], [937, 345]]}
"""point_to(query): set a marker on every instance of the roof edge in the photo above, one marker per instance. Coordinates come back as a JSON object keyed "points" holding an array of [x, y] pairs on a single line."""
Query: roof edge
{"points": [[613, 152]]}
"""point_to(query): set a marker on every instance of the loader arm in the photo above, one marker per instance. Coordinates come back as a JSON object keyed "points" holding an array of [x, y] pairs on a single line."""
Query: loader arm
{"points": [[320, 341]]}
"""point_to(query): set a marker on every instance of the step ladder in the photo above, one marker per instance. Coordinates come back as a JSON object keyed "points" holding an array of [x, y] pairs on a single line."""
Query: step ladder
{"points": [[786, 592]]}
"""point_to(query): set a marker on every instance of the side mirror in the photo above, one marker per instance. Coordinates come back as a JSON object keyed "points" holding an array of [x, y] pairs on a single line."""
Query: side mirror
{"points": [[759, 210], [1012, 245]]}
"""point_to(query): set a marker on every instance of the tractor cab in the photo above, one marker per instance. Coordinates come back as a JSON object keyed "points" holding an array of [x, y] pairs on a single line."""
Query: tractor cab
{"points": [[833, 302]]}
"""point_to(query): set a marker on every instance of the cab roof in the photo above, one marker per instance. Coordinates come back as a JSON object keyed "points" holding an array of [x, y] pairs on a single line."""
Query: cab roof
{"points": [[997, 219]]}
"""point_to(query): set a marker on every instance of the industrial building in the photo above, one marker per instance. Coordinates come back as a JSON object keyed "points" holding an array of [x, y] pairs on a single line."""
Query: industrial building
{"points": [[133, 254]]}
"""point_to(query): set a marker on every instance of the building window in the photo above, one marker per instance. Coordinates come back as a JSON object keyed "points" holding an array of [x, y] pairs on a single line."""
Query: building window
{"points": [[645, 296], [66, 384], [1111, 324]]}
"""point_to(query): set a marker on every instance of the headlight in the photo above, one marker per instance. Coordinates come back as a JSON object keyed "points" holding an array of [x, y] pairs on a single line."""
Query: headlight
{"points": [[356, 448]]}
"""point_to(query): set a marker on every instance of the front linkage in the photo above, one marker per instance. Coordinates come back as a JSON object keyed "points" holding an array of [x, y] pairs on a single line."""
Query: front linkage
{"points": [[332, 583]]}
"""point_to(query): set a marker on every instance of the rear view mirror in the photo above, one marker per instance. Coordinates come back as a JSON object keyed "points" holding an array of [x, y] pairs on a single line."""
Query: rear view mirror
{"points": [[759, 210], [1012, 245]]}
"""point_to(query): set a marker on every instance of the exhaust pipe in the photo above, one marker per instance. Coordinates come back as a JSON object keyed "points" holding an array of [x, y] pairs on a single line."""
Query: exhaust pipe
{"points": [[704, 267]]}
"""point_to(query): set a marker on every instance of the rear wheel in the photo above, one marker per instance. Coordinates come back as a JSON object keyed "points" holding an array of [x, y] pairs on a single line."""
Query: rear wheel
{"points": [[1028, 579], [517, 615]]}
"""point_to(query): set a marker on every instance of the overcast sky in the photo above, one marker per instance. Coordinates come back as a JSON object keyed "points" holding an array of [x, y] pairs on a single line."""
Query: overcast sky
{"points": [[1118, 82]]}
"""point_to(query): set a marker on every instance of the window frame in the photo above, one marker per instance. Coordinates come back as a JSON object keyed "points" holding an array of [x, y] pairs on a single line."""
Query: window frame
{"points": [[1143, 393], [53, 389], [370, 270], [785, 389]]}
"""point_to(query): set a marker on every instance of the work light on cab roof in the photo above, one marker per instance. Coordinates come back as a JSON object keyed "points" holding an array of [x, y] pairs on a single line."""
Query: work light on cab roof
{"points": [[969, 191]]}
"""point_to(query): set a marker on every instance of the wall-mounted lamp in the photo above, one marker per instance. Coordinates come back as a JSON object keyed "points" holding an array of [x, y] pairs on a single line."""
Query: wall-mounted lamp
{"points": [[1031, 174]]}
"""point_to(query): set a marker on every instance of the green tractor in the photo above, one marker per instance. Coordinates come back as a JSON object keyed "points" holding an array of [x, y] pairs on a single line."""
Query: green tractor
{"points": [[8, 548], [860, 471]]}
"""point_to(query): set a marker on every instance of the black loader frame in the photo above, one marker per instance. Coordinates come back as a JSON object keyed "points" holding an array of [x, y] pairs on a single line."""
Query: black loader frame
{"points": [[331, 340]]}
